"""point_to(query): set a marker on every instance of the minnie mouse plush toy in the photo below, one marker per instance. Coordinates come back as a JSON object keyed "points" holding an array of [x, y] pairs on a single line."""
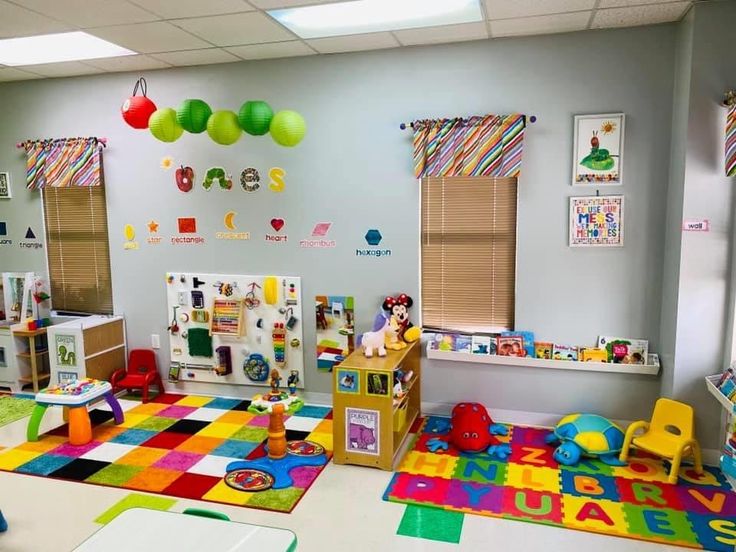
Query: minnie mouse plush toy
{"points": [[398, 307]]}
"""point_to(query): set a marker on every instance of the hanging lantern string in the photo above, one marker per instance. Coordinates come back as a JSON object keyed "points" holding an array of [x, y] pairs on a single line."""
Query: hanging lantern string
{"points": [[420, 123], [50, 141]]}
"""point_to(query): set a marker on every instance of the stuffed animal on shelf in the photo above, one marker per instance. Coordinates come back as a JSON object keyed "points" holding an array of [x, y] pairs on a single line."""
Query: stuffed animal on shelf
{"points": [[398, 309], [471, 429], [376, 340]]}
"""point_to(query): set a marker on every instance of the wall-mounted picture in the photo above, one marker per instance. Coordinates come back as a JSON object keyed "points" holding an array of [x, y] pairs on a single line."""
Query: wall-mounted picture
{"points": [[377, 383], [362, 431], [66, 350], [5, 192], [598, 150], [335, 332], [348, 381], [597, 221]]}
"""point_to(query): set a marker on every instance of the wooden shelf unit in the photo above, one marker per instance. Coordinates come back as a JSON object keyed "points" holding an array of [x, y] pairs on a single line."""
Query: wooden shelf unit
{"points": [[376, 409], [36, 355]]}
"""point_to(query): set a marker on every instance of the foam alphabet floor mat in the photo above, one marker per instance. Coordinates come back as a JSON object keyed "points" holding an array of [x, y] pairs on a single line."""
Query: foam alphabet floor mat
{"points": [[175, 445], [634, 501]]}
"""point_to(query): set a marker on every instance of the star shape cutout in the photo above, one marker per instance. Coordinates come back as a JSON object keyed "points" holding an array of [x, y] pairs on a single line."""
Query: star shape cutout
{"points": [[153, 227]]}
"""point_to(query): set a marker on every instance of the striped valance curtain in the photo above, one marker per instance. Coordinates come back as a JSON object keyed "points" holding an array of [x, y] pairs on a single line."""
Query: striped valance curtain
{"points": [[731, 141], [63, 163], [487, 145]]}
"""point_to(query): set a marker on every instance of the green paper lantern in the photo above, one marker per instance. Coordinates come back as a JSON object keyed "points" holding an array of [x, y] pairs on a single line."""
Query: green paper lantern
{"points": [[255, 117], [192, 115], [288, 128], [222, 126], [163, 125]]}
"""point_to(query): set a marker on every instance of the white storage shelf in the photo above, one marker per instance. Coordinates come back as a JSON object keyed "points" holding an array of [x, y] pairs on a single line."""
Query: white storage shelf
{"points": [[544, 363], [711, 381]]}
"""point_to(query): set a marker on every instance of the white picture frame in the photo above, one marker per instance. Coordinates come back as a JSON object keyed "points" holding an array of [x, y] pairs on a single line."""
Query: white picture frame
{"points": [[598, 150], [5, 190], [608, 223]]}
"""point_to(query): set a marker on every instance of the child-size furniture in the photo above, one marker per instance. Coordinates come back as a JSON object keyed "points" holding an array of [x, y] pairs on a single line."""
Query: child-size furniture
{"points": [[369, 424], [140, 373], [75, 395], [670, 434]]}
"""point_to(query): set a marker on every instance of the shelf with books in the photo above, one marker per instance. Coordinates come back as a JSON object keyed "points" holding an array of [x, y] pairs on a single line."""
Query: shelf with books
{"points": [[711, 382], [528, 362]]}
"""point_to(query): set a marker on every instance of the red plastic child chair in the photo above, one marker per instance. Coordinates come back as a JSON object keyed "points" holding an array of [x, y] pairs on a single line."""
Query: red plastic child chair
{"points": [[140, 373]]}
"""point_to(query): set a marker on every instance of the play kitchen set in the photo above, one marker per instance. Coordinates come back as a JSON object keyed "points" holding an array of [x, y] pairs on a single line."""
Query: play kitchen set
{"points": [[234, 329]]}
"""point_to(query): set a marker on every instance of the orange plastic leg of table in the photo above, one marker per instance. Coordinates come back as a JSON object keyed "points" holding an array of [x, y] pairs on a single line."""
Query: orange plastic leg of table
{"points": [[276, 433], [80, 428]]}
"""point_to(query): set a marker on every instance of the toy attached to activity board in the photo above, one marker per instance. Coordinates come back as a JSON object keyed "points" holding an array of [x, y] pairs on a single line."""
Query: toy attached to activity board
{"points": [[236, 329]]}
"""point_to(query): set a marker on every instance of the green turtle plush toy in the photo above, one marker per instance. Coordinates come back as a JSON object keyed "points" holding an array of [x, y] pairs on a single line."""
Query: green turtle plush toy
{"points": [[586, 435]]}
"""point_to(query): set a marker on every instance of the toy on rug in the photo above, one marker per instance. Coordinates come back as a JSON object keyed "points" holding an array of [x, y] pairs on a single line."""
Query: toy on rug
{"points": [[398, 308], [581, 435], [471, 429]]}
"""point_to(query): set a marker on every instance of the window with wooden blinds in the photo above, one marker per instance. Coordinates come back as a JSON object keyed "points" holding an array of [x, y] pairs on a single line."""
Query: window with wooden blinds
{"points": [[78, 249], [468, 253]]}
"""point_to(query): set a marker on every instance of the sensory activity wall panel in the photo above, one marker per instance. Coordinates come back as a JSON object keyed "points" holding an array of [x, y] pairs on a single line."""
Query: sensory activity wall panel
{"points": [[234, 329]]}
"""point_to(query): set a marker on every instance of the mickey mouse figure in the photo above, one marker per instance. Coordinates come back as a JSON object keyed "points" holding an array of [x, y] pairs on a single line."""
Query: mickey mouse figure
{"points": [[398, 307]]}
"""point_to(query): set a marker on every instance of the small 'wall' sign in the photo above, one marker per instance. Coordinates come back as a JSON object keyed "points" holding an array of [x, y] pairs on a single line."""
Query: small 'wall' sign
{"points": [[696, 225]]}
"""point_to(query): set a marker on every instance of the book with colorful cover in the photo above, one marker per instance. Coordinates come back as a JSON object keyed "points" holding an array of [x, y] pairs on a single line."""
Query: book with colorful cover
{"points": [[443, 342], [463, 343], [510, 345], [592, 354], [624, 350], [564, 352], [481, 345], [543, 349], [528, 340]]}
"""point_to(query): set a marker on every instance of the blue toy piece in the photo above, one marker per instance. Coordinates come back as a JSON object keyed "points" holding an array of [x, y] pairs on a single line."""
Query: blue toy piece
{"points": [[589, 435], [3, 523]]}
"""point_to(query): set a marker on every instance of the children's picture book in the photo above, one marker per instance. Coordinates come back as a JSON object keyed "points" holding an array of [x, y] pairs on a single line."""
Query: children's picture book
{"points": [[543, 349], [481, 345], [443, 342], [463, 343], [510, 345], [652, 359], [624, 350], [727, 384], [528, 340], [564, 352], [592, 354]]}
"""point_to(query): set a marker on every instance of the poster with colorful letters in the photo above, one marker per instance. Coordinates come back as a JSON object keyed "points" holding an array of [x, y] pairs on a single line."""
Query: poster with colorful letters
{"points": [[597, 221]]}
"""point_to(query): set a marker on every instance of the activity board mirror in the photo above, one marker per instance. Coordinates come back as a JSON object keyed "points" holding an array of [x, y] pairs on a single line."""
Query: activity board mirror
{"points": [[228, 328]]}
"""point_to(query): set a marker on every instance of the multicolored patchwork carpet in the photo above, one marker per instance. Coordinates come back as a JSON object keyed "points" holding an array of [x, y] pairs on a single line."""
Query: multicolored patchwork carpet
{"points": [[175, 445], [633, 501]]}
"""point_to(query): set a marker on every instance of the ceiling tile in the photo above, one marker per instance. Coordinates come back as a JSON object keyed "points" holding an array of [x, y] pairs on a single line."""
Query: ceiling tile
{"points": [[197, 57], [543, 24], [272, 50], [12, 74], [353, 43], [236, 29], [150, 37], [625, 3], [91, 13], [444, 33], [505, 9], [62, 69], [275, 4], [17, 21], [127, 63], [639, 15], [174, 9]]}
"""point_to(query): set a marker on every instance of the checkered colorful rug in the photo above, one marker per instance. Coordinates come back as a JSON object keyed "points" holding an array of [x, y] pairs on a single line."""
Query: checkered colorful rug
{"points": [[175, 445], [633, 501]]}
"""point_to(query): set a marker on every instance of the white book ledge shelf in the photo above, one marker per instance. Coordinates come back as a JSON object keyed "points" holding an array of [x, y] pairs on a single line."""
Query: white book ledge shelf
{"points": [[544, 363]]}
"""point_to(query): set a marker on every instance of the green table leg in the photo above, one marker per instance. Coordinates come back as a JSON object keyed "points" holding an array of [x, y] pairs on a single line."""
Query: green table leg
{"points": [[35, 421]]}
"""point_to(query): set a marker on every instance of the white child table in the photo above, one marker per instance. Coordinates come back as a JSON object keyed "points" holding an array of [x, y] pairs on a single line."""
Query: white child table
{"points": [[145, 530]]}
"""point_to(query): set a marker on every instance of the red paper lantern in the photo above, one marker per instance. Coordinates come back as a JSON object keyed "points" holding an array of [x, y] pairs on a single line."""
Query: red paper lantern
{"points": [[137, 110]]}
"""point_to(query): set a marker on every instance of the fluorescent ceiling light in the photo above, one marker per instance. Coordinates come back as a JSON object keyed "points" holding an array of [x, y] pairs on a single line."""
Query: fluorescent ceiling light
{"points": [[53, 48], [367, 16]]}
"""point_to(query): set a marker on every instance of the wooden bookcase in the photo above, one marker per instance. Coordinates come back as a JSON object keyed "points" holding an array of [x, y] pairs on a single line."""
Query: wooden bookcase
{"points": [[369, 426]]}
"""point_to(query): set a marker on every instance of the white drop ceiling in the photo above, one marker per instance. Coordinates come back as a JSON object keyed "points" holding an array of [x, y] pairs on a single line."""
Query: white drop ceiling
{"points": [[170, 33]]}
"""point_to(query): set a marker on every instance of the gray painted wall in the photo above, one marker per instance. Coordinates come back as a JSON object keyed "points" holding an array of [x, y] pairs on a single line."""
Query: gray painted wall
{"points": [[354, 168]]}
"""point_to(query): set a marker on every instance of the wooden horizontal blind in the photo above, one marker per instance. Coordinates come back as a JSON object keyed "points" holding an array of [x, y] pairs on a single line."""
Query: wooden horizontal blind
{"points": [[468, 253], [78, 249]]}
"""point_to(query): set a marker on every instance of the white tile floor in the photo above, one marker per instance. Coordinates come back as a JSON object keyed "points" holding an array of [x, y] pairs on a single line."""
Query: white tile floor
{"points": [[342, 511]]}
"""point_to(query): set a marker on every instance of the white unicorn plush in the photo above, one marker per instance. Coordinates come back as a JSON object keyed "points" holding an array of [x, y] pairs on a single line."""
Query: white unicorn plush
{"points": [[376, 339]]}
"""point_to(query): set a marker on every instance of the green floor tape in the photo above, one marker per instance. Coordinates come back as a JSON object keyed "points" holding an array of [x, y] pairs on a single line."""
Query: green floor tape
{"points": [[431, 523], [135, 500]]}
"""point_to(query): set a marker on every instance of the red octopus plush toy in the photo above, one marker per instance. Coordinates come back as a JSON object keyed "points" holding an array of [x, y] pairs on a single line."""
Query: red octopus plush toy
{"points": [[471, 429]]}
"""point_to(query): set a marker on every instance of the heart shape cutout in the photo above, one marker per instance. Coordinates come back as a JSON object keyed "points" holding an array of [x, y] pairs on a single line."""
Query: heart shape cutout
{"points": [[277, 223]]}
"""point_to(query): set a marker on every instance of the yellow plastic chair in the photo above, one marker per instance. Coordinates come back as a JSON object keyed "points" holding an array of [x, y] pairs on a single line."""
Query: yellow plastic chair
{"points": [[670, 435]]}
